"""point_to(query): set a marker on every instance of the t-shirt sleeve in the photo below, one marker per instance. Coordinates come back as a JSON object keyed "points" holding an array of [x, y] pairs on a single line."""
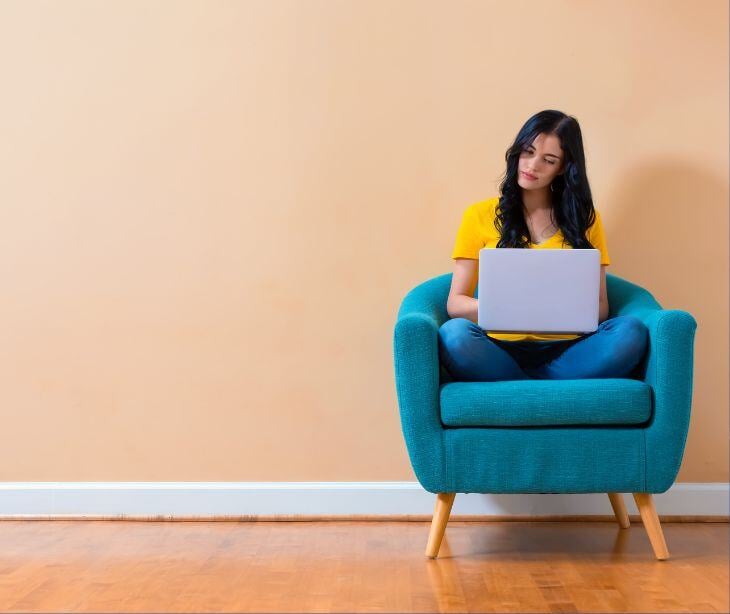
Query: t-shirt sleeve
{"points": [[597, 237], [468, 238]]}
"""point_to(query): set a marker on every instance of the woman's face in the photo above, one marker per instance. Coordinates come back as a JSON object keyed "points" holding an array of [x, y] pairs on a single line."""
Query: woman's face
{"points": [[543, 160]]}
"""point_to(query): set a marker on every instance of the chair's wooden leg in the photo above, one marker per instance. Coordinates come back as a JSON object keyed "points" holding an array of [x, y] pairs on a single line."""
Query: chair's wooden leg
{"points": [[645, 503], [619, 509], [444, 501]]}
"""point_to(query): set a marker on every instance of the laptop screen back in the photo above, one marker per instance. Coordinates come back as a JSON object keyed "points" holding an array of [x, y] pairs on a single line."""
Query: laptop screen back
{"points": [[538, 290]]}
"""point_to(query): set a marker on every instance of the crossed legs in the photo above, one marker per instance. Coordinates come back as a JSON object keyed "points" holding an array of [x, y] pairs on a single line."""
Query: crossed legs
{"points": [[613, 350]]}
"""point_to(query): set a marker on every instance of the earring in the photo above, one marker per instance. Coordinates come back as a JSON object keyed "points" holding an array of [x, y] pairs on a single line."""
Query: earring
{"points": [[552, 189]]}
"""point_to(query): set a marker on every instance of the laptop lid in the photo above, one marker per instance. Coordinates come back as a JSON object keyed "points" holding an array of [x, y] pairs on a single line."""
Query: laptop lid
{"points": [[538, 290]]}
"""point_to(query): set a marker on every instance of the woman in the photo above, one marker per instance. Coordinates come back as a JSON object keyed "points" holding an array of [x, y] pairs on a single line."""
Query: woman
{"points": [[545, 202]]}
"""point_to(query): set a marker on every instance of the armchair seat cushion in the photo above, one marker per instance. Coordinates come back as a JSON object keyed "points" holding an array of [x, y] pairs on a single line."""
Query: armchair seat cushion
{"points": [[545, 402]]}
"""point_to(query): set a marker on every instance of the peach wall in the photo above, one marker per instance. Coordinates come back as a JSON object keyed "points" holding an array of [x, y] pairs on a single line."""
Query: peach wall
{"points": [[212, 210]]}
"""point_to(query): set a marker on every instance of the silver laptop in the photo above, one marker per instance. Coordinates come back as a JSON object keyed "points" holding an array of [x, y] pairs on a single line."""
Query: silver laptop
{"points": [[538, 290]]}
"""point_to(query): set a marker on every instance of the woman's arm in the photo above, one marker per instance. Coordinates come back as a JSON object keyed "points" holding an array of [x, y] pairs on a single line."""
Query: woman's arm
{"points": [[461, 302], [603, 297]]}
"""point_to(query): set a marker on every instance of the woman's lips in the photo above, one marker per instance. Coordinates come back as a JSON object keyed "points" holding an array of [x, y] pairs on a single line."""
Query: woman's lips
{"points": [[530, 177]]}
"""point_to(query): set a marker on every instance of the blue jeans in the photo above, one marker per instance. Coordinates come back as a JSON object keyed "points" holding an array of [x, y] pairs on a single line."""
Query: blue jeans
{"points": [[613, 350]]}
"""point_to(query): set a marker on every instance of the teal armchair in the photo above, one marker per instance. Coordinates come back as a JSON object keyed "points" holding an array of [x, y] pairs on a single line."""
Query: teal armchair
{"points": [[546, 436]]}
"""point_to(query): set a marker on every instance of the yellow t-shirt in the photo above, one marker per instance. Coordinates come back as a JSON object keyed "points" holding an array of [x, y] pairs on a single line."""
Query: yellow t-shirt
{"points": [[477, 231]]}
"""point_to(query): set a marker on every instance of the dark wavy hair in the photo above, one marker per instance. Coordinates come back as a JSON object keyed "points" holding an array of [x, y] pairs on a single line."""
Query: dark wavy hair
{"points": [[571, 195]]}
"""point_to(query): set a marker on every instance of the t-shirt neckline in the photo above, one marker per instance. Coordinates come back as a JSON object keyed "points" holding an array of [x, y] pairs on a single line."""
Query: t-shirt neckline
{"points": [[550, 238]]}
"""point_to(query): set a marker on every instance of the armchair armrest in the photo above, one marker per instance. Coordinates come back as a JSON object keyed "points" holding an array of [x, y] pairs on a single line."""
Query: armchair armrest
{"points": [[415, 347], [668, 369]]}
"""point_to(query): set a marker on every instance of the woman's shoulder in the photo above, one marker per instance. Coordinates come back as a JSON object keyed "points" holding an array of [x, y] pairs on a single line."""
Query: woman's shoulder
{"points": [[479, 218], [485, 208], [597, 224]]}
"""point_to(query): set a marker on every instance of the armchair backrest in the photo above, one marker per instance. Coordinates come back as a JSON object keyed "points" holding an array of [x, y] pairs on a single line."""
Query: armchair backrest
{"points": [[434, 293]]}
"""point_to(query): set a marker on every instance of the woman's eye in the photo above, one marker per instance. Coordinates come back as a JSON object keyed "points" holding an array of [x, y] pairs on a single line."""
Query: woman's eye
{"points": [[546, 160], [528, 151]]}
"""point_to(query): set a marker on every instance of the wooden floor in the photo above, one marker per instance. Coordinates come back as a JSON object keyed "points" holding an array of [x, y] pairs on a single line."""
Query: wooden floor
{"points": [[355, 566]]}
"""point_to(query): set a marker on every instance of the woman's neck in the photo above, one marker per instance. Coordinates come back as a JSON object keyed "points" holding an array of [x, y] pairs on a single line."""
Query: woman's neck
{"points": [[537, 200]]}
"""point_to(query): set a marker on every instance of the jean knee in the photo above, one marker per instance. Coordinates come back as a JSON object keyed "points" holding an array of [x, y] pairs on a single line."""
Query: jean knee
{"points": [[634, 334], [456, 332]]}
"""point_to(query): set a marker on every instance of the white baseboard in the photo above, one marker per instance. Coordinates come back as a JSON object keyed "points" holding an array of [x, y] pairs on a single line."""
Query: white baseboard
{"points": [[240, 499]]}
